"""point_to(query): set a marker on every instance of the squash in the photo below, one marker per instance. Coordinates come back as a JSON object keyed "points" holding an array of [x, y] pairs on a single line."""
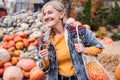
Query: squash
{"points": [[5, 45], [18, 39], [26, 43], [1, 71], [19, 45], [12, 43], [13, 73], [7, 64], [32, 39], [117, 72], [1, 32], [11, 49], [26, 64], [16, 53], [36, 74], [26, 74], [23, 35], [4, 55], [1, 64], [95, 72], [8, 37], [14, 60]]}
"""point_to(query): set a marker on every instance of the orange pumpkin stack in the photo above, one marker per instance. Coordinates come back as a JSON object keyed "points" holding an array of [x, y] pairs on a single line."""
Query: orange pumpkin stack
{"points": [[95, 72], [13, 42]]}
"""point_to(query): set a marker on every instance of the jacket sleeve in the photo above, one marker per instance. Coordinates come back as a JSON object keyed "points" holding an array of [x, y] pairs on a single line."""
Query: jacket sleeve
{"points": [[93, 45], [90, 40]]}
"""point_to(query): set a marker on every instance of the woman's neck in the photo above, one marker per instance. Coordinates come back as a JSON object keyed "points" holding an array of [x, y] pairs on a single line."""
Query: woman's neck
{"points": [[59, 30]]}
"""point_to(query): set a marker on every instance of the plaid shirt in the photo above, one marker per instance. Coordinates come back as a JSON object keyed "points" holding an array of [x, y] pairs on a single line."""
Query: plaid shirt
{"points": [[70, 35]]}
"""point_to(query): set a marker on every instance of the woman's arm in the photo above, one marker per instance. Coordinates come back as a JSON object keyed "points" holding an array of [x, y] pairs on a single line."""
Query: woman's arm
{"points": [[93, 46]]}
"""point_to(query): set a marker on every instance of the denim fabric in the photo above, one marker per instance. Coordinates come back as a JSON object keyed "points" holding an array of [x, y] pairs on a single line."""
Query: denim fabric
{"points": [[70, 35]]}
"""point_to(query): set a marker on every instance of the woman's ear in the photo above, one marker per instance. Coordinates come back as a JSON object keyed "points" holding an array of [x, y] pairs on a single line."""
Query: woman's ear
{"points": [[61, 15]]}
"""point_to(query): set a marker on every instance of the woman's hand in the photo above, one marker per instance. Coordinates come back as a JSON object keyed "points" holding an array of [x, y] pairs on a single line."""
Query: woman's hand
{"points": [[43, 54], [80, 48]]}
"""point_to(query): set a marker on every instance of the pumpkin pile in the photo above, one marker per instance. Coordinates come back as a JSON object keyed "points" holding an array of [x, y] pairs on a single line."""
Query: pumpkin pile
{"points": [[17, 68]]}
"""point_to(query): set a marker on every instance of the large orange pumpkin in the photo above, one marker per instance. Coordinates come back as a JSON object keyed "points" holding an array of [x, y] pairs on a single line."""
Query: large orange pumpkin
{"points": [[26, 64], [95, 72], [36, 74], [117, 72]]}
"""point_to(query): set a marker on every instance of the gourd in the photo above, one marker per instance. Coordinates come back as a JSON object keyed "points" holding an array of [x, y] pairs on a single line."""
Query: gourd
{"points": [[1, 71], [13, 73], [117, 72], [36, 74], [4, 55], [26, 74], [26, 64], [19, 45], [95, 72]]}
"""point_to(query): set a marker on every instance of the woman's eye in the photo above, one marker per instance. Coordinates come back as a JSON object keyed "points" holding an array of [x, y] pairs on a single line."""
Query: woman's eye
{"points": [[50, 12], [43, 14]]}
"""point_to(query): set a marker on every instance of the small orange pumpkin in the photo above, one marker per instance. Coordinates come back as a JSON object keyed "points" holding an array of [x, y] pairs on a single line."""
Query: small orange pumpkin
{"points": [[12, 43], [8, 37], [23, 35], [18, 39], [16, 53], [1, 64], [1, 71], [117, 72], [33, 43], [5, 45], [1, 32], [14, 60], [19, 45], [26, 74], [7, 64], [11, 49], [26, 43], [32, 39]]}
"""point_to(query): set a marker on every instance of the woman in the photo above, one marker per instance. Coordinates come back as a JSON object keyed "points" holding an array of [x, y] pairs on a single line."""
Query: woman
{"points": [[62, 60]]}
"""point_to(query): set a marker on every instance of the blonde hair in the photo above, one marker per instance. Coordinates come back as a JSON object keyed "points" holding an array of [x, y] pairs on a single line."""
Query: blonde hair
{"points": [[60, 8], [56, 5]]}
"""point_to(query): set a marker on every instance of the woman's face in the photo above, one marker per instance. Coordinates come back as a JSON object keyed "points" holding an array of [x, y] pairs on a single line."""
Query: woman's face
{"points": [[51, 17]]}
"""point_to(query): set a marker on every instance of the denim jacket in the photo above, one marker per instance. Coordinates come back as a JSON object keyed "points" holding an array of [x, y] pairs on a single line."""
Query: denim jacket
{"points": [[70, 36]]}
